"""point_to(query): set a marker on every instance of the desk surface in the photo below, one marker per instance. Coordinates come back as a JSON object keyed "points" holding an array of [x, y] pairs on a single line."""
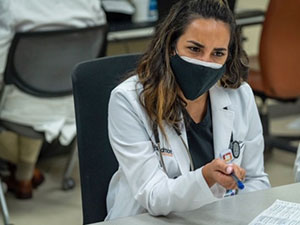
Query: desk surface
{"points": [[127, 30], [240, 209]]}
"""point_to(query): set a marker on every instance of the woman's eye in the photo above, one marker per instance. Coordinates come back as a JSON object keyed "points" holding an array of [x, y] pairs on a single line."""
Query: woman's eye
{"points": [[194, 49], [218, 54]]}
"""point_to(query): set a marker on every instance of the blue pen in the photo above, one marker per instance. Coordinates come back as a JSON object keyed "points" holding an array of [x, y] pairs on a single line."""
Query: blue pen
{"points": [[238, 181]]}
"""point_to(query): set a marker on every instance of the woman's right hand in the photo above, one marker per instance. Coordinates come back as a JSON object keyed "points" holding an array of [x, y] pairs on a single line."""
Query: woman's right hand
{"points": [[217, 171]]}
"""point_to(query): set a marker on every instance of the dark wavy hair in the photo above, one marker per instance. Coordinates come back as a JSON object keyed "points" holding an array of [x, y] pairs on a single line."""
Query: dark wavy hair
{"points": [[160, 94]]}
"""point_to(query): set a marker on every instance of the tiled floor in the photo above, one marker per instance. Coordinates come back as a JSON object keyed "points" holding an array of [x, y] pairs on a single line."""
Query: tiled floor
{"points": [[51, 205]]}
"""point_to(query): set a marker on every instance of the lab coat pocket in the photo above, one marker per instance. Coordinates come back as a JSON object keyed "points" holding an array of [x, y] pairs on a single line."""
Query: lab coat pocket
{"points": [[169, 161]]}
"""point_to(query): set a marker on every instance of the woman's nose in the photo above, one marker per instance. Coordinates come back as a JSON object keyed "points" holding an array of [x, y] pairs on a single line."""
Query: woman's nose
{"points": [[205, 57]]}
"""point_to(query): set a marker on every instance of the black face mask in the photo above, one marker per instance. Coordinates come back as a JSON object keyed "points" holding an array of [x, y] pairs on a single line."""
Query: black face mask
{"points": [[194, 80]]}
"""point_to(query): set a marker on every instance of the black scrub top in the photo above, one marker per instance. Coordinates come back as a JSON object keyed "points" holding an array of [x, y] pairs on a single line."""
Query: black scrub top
{"points": [[200, 138]]}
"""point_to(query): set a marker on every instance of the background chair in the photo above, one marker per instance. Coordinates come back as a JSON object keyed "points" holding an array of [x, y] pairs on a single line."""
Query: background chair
{"points": [[92, 84], [40, 64], [279, 54], [4, 209], [297, 165]]}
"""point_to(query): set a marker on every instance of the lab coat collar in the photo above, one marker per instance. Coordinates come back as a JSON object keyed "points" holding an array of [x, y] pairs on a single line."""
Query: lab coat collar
{"points": [[219, 98]]}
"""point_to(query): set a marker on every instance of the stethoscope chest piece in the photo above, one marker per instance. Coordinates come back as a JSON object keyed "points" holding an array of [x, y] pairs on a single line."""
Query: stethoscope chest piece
{"points": [[235, 148]]}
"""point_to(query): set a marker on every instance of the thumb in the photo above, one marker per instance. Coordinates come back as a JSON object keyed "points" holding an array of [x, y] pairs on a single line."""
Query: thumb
{"points": [[229, 170]]}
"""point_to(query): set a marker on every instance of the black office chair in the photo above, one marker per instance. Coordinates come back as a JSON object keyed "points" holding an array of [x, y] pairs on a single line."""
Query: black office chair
{"points": [[92, 84], [40, 64]]}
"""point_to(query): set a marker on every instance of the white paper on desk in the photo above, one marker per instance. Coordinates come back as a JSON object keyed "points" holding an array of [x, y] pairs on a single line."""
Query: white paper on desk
{"points": [[280, 212]]}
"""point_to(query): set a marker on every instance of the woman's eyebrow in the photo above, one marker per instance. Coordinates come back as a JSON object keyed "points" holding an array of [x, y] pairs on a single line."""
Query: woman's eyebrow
{"points": [[196, 43], [220, 49], [203, 46]]}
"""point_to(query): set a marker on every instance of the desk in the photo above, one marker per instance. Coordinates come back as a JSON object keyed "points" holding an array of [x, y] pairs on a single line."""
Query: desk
{"points": [[128, 30], [240, 209]]}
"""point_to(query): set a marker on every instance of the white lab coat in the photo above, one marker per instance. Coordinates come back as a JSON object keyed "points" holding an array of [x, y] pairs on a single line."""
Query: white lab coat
{"points": [[54, 116], [140, 184]]}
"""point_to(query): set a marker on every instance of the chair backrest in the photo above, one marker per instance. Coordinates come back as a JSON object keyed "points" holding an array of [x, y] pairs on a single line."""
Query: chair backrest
{"points": [[280, 49], [92, 84], [40, 63]]}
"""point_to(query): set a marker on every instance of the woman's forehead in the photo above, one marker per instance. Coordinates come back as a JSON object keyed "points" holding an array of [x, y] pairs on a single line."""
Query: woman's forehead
{"points": [[208, 31]]}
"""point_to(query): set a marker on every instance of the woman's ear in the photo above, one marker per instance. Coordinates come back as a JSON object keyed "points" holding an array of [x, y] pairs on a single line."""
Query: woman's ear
{"points": [[173, 49]]}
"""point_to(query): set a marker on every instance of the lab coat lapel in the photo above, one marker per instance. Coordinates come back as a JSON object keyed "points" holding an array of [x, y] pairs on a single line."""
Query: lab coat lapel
{"points": [[179, 149], [222, 119]]}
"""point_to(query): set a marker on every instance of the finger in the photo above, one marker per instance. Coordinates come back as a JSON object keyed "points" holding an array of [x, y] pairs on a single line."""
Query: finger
{"points": [[243, 174], [232, 186], [221, 166], [225, 180], [239, 172]]}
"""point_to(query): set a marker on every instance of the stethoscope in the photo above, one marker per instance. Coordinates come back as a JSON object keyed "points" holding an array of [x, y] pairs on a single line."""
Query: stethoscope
{"points": [[235, 147], [157, 140]]}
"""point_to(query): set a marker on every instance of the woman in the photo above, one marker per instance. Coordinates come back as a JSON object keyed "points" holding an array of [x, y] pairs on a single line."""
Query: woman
{"points": [[170, 124]]}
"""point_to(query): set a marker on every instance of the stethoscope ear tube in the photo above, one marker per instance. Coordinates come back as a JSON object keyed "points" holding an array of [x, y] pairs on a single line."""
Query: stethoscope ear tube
{"points": [[157, 140]]}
